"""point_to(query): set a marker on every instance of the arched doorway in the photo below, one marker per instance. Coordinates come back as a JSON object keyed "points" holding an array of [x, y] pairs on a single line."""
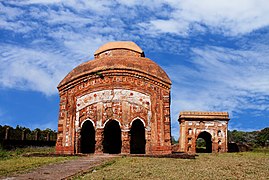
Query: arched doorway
{"points": [[138, 140], [87, 142], [112, 137], [204, 143]]}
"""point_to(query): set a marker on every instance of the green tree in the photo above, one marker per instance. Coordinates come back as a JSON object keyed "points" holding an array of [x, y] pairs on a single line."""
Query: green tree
{"points": [[237, 136], [200, 143], [263, 137]]}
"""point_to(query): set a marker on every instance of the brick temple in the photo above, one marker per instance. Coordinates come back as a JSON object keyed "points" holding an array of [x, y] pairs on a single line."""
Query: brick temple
{"points": [[119, 102]]}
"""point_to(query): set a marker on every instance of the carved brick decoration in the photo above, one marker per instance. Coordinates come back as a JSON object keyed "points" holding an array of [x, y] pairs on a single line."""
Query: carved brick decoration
{"points": [[122, 86], [211, 126]]}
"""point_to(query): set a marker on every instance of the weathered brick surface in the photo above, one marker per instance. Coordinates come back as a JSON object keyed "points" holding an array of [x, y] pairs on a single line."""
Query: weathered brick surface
{"points": [[194, 123], [119, 84]]}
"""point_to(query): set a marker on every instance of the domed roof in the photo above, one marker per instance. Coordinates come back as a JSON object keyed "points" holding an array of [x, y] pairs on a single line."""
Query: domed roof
{"points": [[119, 45], [133, 63]]}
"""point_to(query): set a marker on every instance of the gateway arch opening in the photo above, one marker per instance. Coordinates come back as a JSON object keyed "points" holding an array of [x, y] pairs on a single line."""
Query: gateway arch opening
{"points": [[112, 137], [87, 143], [204, 143], [138, 140]]}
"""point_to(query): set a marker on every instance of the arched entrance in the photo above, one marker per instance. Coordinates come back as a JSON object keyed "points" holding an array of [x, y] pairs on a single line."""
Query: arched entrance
{"points": [[87, 142], [138, 140], [112, 137], [204, 143]]}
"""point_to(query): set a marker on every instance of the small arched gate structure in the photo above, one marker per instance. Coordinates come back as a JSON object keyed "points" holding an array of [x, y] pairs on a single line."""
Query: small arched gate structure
{"points": [[209, 127]]}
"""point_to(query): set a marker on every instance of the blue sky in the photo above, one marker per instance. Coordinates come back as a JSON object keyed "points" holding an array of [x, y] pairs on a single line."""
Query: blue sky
{"points": [[216, 53]]}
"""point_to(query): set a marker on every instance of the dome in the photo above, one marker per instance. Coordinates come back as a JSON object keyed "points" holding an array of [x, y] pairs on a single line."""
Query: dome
{"points": [[129, 45], [118, 62]]}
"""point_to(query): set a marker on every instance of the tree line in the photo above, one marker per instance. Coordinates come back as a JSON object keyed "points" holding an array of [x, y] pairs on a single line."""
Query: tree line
{"points": [[26, 134], [253, 138]]}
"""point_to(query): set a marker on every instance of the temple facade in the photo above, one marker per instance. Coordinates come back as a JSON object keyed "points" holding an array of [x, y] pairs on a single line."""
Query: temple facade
{"points": [[119, 102]]}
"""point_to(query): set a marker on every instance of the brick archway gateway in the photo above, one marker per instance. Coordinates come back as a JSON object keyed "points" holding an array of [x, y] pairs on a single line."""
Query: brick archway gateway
{"points": [[211, 126], [121, 84]]}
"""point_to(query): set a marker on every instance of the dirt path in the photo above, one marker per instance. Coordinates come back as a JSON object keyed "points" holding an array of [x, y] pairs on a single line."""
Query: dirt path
{"points": [[65, 169]]}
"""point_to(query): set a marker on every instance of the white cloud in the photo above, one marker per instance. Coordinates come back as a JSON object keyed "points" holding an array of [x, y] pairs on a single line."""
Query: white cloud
{"points": [[67, 17], [8, 15], [33, 69], [11, 11], [166, 26], [41, 1], [101, 6], [179, 17], [225, 17], [221, 79]]}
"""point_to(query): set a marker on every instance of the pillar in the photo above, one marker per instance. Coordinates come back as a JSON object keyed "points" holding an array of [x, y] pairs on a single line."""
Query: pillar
{"points": [[125, 138], [182, 136], [148, 142], [77, 140], [99, 137], [226, 136]]}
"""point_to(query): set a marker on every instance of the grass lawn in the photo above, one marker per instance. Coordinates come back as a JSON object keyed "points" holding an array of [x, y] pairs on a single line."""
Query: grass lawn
{"points": [[247, 165], [12, 162]]}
